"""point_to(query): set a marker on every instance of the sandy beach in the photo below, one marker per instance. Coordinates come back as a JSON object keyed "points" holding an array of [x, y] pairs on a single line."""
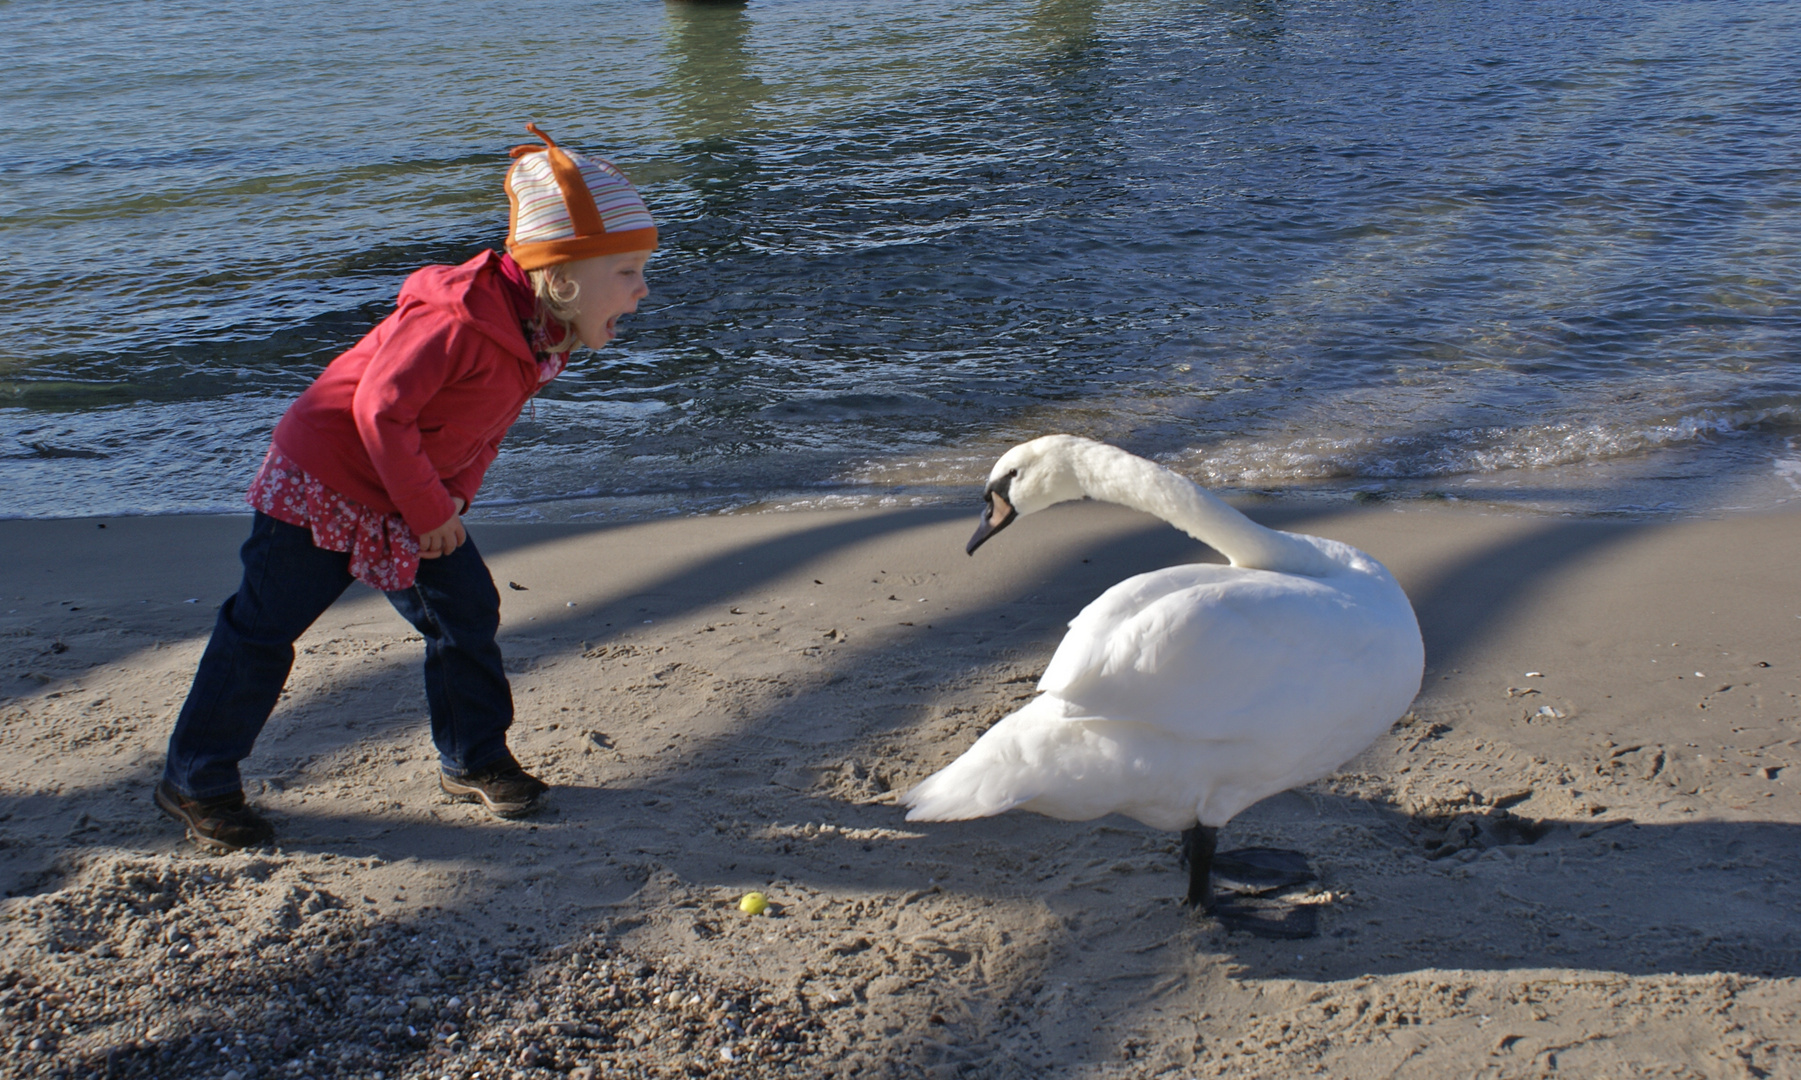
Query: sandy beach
{"points": [[1578, 855]]}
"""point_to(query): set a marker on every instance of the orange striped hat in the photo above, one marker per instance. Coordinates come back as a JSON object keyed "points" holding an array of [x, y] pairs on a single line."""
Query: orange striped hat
{"points": [[570, 206]]}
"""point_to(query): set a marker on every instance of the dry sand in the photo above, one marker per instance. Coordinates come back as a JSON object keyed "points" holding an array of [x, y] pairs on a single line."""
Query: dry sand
{"points": [[1578, 855]]}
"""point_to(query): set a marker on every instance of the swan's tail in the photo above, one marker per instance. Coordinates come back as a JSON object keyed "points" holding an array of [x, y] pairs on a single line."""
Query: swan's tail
{"points": [[956, 793], [987, 780]]}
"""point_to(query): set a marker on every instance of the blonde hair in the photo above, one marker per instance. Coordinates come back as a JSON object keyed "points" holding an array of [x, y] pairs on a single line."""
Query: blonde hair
{"points": [[557, 296]]}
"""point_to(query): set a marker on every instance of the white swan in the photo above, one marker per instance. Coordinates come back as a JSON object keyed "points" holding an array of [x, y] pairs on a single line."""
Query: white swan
{"points": [[1184, 695]]}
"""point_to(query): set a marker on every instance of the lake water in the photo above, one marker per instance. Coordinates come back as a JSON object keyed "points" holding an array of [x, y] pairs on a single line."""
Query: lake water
{"points": [[1541, 255]]}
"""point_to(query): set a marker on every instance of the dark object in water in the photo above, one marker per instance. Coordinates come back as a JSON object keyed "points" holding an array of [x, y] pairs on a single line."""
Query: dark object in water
{"points": [[43, 449]]}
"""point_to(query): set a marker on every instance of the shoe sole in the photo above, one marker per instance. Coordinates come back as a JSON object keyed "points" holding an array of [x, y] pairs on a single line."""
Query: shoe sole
{"points": [[200, 839], [461, 792]]}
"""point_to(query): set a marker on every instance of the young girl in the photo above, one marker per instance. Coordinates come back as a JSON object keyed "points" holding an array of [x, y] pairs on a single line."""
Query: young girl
{"points": [[372, 467]]}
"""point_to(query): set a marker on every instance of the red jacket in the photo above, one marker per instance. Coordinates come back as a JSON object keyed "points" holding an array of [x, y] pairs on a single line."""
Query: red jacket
{"points": [[414, 413]]}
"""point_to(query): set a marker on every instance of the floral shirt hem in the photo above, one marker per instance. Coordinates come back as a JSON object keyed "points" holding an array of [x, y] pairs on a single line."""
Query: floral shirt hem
{"points": [[383, 551]]}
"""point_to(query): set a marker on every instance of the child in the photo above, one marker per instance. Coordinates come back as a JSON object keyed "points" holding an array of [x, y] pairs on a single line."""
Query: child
{"points": [[370, 471]]}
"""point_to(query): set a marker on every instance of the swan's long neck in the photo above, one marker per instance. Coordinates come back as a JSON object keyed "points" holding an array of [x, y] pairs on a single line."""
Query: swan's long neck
{"points": [[1118, 477]]}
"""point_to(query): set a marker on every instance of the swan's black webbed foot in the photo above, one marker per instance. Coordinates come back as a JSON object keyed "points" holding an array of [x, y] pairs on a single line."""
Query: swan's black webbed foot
{"points": [[1251, 883], [1267, 916], [1260, 870]]}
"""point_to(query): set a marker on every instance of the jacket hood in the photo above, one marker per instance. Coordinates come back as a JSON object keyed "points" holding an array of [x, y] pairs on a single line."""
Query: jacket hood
{"points": [[477, 294]]}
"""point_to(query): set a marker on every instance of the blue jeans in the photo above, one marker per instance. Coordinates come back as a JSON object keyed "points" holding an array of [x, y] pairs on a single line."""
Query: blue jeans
{"points": [[288, 583]]}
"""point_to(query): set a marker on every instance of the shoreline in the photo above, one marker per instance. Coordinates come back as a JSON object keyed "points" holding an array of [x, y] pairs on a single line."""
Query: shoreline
{"points": [[1778, 492], [729, 702]]}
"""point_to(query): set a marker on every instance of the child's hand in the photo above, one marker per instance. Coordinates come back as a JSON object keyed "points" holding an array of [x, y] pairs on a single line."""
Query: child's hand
{"points": [[447, 537]]}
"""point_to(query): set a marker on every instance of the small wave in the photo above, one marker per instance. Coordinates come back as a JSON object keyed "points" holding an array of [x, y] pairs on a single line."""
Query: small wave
{"points": [[1788, 469], [841, 407], [1461, 451]]}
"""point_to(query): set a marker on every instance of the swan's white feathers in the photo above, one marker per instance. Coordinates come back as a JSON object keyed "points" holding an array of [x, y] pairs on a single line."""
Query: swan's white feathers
{"points": [[1200, 650], [1188, 693]]}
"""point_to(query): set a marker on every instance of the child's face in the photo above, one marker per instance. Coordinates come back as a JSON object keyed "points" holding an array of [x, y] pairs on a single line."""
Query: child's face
{"points": [[610, 286]]}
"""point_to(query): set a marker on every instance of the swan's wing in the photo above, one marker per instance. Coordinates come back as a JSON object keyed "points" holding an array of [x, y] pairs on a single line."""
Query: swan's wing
{"points": [[1108, 635], [1224, 653]]}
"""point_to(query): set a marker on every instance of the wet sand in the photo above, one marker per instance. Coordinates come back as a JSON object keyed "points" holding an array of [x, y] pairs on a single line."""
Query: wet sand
{"points": [[1578, 855]]}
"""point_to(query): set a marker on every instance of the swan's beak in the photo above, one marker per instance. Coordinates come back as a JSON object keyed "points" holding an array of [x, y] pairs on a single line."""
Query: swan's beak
{"points": [[997, 514]]}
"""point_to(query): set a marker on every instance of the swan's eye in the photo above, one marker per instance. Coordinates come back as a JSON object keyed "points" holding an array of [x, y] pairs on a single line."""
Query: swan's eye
{"points": [[1012, 472]]}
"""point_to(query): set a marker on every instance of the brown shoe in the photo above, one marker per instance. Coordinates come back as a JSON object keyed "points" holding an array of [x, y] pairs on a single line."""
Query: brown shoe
{"points": [[507, 790], [221, 823]]}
